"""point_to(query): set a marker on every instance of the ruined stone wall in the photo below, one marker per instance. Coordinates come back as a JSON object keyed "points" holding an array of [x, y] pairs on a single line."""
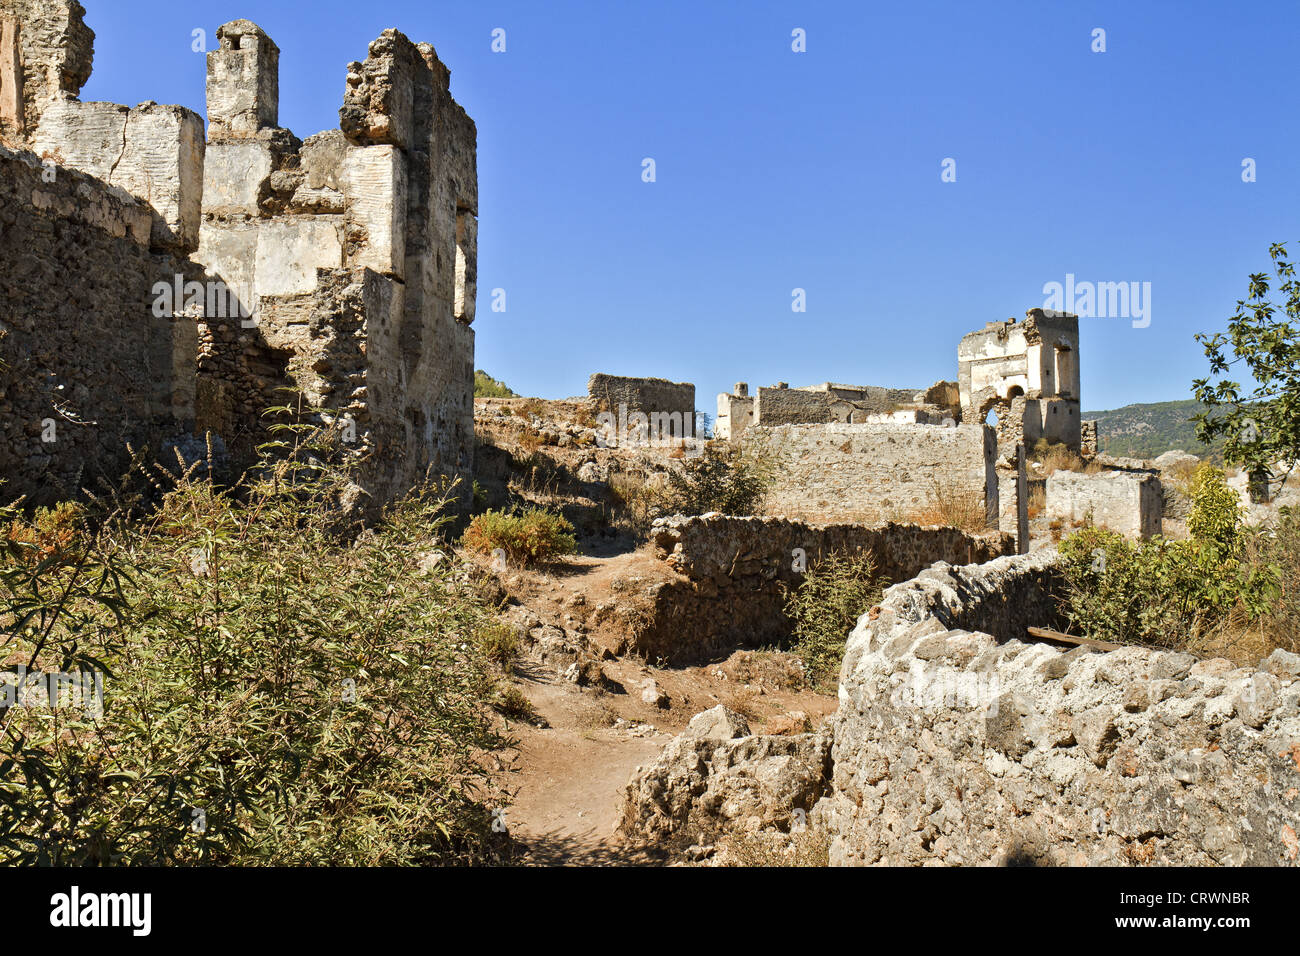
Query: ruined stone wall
{"points": [[343, 267], [732, 573], [1088, 438], [1029, 373], [1013, 497], [45, 57], [86, 363], [1131, 503], [827, 402], [649, 396], [957, 743], [735, 413], [152, 152], [872, 473], [355, 250]]}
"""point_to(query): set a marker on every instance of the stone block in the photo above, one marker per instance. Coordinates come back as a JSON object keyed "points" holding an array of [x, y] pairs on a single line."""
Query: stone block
{"points": [[1127, 502], [243, 82], [374, 184], [154, 152], [234, 175], [289, 251]]}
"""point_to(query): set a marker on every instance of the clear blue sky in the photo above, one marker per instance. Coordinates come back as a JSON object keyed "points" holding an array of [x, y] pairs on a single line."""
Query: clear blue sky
{"points": [[819, 170]]}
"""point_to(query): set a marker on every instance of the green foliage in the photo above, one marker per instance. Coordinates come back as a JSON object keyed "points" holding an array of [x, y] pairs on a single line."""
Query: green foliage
{"points": [[826, 606], [499, 643], [273, 695], [1260, 426], [533, 537], [1216, 514], [485, 386], [724, 478], [1168, 593]]}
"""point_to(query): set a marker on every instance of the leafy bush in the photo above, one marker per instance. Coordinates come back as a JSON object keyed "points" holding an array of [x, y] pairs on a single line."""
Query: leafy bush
{"points": [[1172, 593], [1216, 513], [835, 592], [533, 537], [724, 478], [499, 643], [272, 694], [51, 532]]}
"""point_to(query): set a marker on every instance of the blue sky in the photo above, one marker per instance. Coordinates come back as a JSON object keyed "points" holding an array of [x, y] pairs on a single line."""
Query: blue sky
{"points": [[819, 170]]}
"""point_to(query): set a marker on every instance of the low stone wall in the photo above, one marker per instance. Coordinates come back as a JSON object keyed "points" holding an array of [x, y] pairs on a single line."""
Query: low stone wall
{"points": [[869, 474], [957, 743], [730, 575], [1130, 503]]}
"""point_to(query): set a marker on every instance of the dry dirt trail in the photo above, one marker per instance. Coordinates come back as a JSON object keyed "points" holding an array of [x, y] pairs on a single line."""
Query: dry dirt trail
{"points": [[570, 772]]}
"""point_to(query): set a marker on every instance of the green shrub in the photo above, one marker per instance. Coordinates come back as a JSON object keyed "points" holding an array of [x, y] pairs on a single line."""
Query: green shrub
{"points": [[1216, 514], [272, 695], [724, 478], [533, 537], [499, 643], [826, 606], [1173, 593]]}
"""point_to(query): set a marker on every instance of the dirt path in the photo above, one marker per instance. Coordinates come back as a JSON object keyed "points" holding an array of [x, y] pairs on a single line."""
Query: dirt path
{"points": [[570, 784], [570, 773]]}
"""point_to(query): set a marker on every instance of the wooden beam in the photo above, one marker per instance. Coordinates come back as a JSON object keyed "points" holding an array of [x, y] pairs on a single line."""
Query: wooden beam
{"points": [[1047, 634]]}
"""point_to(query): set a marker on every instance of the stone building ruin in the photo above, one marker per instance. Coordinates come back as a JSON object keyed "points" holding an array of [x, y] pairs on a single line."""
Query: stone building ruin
{"points": [[1028, 374], [157, 284]]}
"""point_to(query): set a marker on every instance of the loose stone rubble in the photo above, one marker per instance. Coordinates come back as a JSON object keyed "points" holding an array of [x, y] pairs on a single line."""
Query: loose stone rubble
{"points": [[717, 776]]}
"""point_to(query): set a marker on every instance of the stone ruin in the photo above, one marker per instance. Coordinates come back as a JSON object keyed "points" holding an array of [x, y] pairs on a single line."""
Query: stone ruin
{"points": [[827, 403], [1028, 374], [156, 285], [668, 407]]}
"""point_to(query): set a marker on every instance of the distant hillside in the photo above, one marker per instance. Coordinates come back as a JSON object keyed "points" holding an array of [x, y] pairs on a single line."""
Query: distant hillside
{"points": [[1145, 431], [485, 386]]}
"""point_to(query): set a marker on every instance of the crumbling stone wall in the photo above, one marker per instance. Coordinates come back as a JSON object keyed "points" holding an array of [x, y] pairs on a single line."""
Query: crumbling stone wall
{"points": [[731, 573], [153, 152], [871, 473], [653, 397], [343, 267], [1037, 361], [1088, 438], [828, 402], [45, 57], [1130, 502], [735, 412], [958, 743], [1013, 497], [86, 365], [355, 251]]}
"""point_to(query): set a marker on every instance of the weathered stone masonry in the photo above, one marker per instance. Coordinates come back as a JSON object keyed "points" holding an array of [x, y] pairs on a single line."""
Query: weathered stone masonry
{"points": [[958, 743], [730, 575], [358, 248], [85, 366], [344, 265], [872, 473]]}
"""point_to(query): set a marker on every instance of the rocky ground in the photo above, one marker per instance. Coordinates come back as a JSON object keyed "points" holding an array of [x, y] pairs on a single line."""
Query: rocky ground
{"points": [[601, 712]]}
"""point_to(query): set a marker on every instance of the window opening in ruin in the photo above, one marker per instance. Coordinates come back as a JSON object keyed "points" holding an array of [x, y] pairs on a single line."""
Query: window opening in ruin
{"points": [[459, 306], [1064, 369]]}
